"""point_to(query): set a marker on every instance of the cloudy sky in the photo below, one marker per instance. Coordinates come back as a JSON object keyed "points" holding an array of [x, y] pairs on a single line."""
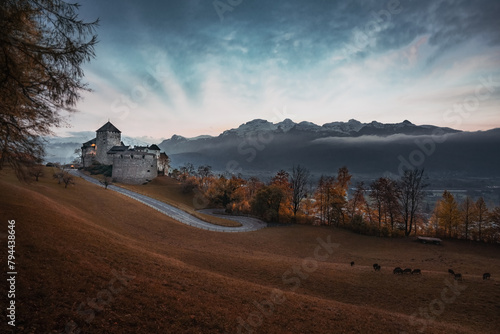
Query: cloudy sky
{"points": [[193, 67]]}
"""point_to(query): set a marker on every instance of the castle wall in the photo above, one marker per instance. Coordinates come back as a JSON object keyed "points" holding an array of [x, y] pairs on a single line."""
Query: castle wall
{"points": [[104, 142], [134, 168], [87, 159]]}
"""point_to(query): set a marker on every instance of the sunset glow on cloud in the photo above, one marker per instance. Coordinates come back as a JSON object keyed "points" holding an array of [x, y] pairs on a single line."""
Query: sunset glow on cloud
{"points": [[176, 67]]}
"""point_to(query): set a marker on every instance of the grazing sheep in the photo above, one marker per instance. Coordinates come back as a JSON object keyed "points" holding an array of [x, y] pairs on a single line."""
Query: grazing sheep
{"points": [[416, 272], [397, 270], [458, 277], [352, 263], [375, 265], [486, 275], [451, 272], [377, 268], [407, 271]]}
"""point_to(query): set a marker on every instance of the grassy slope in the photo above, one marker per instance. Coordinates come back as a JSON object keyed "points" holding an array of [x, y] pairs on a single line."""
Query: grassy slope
{"points": [[194, 281]]}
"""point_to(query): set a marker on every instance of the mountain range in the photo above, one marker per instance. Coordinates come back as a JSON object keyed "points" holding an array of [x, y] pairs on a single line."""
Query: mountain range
{"points": [[260, 147]]}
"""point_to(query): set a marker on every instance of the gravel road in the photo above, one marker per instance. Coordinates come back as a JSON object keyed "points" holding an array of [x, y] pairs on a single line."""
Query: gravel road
{"points": [[248, 223]]}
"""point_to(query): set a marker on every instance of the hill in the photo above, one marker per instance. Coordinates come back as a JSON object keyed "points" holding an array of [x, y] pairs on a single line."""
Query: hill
{"points": [[92, 258]]}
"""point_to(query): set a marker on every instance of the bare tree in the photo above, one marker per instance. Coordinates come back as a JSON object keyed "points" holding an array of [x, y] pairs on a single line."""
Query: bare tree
{"points": [[36, 171], [482, 214], [106, 181], [410, 195], [298, 180], [78, 160], [58, 175], [68, 179], [204, 172], [384, 196], [43, 45]]}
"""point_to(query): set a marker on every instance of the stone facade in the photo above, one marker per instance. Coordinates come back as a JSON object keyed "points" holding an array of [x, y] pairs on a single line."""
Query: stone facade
{"points": [[88, 153], [134, 167]]}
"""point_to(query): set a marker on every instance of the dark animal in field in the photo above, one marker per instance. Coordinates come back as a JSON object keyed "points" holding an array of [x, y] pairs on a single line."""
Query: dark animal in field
{"points": [[397, 270], [375, 265], [486, 276], [458, 277], [407, 271], [416, 272], [377, 268], [352, 263], [451, 272]]}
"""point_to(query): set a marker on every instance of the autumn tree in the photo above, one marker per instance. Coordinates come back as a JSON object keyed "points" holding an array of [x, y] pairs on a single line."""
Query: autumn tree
{"points": [[492, 230], [223, 191], [43, 45], [481, 216], [322, 197], [281, 181], [298, 182], [331, 197], [447, 213], [341, 188], [410, 195], [468, 213], [267, 202], [357, 204]]}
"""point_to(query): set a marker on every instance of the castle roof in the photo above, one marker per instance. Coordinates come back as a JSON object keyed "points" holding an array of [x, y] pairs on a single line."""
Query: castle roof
{"points": [[89, 143], [108, 127], [154, 147], [117, 149]]}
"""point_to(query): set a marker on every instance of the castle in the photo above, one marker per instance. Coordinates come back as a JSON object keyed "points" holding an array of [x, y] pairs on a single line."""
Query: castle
{"points": [[130, 165]]}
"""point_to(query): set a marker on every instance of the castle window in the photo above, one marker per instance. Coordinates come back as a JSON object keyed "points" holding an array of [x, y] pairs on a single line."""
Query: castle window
{"points": [[144, 156], [132, 156], [121, 156], [149, 171]]}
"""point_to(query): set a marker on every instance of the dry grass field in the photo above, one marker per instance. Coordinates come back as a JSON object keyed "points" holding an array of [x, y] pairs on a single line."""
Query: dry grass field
{"points": [[93, 260]]}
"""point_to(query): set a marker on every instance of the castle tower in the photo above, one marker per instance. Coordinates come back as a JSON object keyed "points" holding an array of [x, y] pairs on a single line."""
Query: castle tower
{"points": [[107, 137]]}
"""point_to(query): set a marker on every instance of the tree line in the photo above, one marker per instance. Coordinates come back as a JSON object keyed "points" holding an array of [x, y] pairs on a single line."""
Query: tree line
{"points": [[385, 207]]}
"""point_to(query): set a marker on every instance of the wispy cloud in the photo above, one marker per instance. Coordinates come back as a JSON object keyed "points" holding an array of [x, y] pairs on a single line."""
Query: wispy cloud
{"points": [[265, 55]]}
